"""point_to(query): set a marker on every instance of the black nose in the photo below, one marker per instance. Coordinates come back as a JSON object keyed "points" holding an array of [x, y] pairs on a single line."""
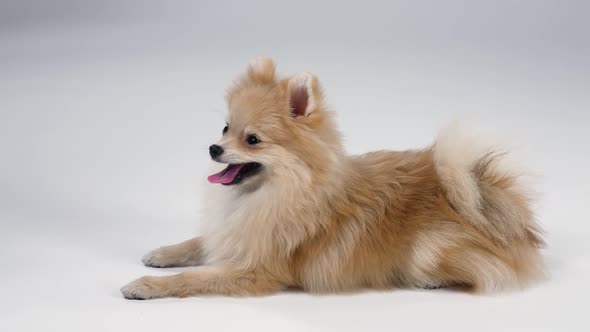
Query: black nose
{"points": [[215, 151]]}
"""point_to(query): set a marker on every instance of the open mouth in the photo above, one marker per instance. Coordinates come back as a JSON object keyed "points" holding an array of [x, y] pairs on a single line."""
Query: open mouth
{"points": [[235, 173]]}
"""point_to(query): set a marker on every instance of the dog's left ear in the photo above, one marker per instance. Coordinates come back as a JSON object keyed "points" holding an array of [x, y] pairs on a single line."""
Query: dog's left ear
{"points": [[262, 70], [304, 94]]}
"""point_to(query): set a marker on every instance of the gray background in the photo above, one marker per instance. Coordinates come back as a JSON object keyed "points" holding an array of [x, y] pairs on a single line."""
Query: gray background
{"points": [[107, 109]]}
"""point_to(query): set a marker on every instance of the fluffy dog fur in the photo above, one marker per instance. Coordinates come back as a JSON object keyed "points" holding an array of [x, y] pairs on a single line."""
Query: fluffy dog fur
{"points": [[316, 219]]}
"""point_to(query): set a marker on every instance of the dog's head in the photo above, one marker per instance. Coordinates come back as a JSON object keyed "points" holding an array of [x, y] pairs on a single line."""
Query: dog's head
{"points": [[276, 129]]}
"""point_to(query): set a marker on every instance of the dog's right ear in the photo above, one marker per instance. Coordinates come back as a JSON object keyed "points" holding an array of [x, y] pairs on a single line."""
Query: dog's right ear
{"points": [[262, 70]]}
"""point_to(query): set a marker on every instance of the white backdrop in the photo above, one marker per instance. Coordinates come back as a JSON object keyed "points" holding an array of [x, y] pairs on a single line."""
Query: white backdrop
{"points": [[107, 109]]}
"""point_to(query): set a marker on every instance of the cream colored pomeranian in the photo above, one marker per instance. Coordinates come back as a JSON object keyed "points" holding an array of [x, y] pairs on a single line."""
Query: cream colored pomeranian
{"points": [[292, 210]]}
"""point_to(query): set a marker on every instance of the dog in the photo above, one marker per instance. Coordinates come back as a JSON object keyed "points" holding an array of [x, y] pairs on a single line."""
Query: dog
{"points": [[292, 210]]}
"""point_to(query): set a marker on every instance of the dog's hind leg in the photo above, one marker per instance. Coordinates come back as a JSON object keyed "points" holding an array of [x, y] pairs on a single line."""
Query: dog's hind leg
{"points": [[187, 253]]}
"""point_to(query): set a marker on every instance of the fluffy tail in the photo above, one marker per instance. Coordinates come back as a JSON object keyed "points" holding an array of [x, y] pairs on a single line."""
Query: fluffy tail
{"points": [[483, 188]]}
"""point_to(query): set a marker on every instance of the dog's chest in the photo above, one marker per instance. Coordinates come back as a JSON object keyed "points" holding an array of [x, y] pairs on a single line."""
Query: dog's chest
{"points": [[245, 231]]}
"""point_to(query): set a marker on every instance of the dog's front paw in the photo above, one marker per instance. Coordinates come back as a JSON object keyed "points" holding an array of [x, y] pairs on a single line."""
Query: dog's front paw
{"points": [[142, 289], [155, 258]]}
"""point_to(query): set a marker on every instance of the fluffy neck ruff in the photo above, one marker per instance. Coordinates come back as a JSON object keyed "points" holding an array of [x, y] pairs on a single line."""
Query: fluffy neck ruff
{"points": [[246, 228]]}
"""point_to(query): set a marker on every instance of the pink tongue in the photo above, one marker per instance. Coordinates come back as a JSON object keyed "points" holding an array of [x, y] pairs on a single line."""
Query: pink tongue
{"points": [[227, 175]]}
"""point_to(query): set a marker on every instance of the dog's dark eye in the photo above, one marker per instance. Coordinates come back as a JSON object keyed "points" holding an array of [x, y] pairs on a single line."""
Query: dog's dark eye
{"points": [[252, 140], [225, 129]]}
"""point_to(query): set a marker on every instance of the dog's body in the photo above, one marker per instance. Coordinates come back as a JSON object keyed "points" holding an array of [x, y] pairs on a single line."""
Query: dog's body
{"points": [[297, 212]]}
